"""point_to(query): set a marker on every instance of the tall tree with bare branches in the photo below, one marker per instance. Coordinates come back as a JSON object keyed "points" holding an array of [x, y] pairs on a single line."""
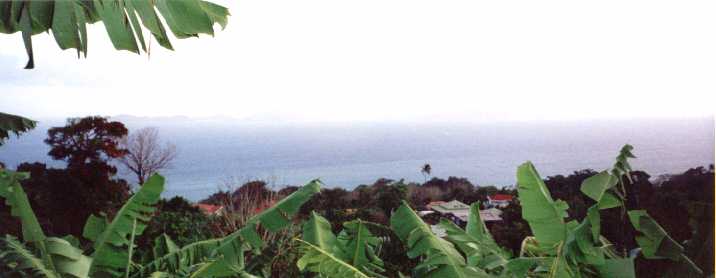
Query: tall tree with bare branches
{"points": [[146, 155]]}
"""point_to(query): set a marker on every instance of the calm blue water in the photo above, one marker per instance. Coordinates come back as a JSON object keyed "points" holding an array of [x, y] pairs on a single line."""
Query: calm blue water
{"points": [[211, 153]]}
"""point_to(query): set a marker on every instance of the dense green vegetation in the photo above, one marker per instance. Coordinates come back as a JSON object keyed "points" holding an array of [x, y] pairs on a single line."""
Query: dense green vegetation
{"points": [[83, 221], [588, 224]]}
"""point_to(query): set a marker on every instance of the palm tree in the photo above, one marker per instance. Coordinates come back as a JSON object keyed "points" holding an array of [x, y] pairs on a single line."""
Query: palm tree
{"points": [[425, 170]]}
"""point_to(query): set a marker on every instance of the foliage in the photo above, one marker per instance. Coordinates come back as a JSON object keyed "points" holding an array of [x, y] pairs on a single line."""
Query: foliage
{"points": [[58, 256], [110, 238], [440, 258], [351, 254], [65, 197], [13, 124], [180, 221], [89, 140], [560, 246], [544, 215], [319, 260], [657, 244], [225, 256], [577, 249], [512, 230], [67, 20], [113, 241], [476, 242]]}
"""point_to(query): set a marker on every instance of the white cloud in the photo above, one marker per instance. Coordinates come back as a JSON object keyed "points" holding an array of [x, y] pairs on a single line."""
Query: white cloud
{"points": [[393, 60]]}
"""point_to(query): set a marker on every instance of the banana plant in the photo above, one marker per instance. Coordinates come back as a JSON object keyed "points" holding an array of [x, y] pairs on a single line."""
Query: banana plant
{"points": [[560, 248], [438, 257], [225, 257], [113, 241], [350, 254], [476, 242], [124, 20], [577, 249], [60, 257]]}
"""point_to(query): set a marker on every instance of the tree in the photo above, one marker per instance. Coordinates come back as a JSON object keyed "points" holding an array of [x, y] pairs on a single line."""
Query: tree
{"points": [[145, 156], [425, 170], [66, 197], [67, 20], [388, 198], [89, 140]]}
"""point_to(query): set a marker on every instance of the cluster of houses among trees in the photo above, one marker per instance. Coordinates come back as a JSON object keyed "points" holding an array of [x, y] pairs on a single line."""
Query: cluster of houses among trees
{"points": [[458, 212]]}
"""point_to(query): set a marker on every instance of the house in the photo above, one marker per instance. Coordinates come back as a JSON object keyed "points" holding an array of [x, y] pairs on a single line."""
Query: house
{"points": [[499, 200], [491, 215], [430, 205], [211, 210], [459, 213], [454, 206]]}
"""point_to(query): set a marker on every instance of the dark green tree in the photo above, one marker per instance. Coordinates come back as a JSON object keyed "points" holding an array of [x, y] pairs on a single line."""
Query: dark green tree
{"points": [[65, 197]]}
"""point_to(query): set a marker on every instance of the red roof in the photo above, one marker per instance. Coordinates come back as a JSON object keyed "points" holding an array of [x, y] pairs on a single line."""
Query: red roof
{"points": [[501, 197], [209, 209]]}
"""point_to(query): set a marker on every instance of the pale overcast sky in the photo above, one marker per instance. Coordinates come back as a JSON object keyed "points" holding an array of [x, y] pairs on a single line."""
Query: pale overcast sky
{"points": [[389, 60]]}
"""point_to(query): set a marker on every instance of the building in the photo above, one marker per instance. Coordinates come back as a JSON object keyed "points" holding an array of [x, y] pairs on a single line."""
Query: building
{"points": [[499, 200], [454, 206], [491, 215], [211, 209], [430, 205], [459, 213]]}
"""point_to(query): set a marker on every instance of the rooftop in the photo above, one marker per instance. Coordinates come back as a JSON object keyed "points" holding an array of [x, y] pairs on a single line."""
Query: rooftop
{"points": [[209, 209], [500, 197]]}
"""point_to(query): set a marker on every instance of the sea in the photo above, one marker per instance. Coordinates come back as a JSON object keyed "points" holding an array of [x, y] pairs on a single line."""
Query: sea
{"points": [[220, 154]]}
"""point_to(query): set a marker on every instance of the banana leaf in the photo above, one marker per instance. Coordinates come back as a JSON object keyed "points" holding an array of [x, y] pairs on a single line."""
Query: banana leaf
{"points": [[124, 21], [544, 215], [439, 257], [224, 257], [317, 260], [475, 241], [111, 243], [13, 124]]}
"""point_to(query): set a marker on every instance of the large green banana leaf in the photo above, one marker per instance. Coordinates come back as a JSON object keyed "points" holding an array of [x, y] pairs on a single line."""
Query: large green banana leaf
{"points": [[57, 255], [316, 259], [113, 240], [124, 21], [355, 246], [16, 199], [655, 243], [544, 215], [317, 231], [581, 250], [360, 247], [598, 188], [475, 241], [439, 257]]}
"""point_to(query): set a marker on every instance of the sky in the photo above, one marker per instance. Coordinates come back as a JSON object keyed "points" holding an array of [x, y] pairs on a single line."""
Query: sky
{"points": [[391, 60]]}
